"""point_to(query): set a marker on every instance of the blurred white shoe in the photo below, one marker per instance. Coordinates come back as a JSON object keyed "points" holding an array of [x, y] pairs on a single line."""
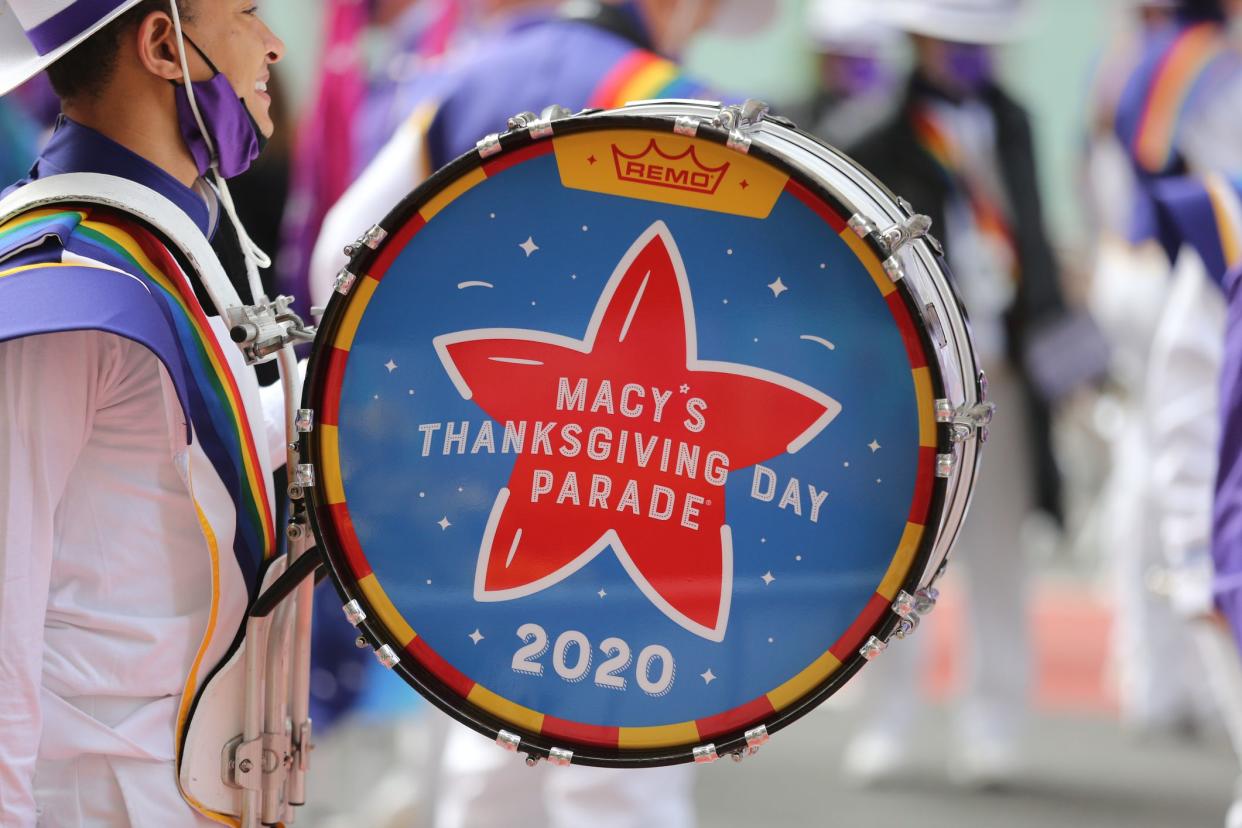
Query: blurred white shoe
{"points": [[986, 763], [873, 757], [1233, 818]]}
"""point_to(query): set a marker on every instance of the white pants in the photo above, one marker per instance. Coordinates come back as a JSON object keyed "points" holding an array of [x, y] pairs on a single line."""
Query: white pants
{"points": [[482, 786], [988, 560]]}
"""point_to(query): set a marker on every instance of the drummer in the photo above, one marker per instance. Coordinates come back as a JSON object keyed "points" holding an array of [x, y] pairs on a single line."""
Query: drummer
{"points": [[960, 147], [590, 54], [596, 54], [120, 586]]}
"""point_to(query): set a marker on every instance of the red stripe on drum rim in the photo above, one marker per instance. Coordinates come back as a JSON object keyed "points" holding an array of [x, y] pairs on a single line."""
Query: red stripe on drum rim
{"points": [[330, 413], [816, 205], [394, 246], [456, 681], [849, 643], [512, 159], [924, 483], [909, 333], [348, 540], [735, 719], [586, 734]]}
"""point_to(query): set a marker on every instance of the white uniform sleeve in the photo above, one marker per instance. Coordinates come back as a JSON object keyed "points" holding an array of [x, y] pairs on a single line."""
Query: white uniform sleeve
{"points": [[1183, 427], [50, 388], [400, 167]]}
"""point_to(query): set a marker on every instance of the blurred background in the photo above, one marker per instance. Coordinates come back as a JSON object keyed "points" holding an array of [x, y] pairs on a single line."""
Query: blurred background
{"points": [[1107, 709]]}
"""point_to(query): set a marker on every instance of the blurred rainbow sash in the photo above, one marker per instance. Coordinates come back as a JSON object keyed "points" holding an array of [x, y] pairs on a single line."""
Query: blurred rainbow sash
{"points": [[990, 218], [99, 241], [639, 76], [1155, 99]]}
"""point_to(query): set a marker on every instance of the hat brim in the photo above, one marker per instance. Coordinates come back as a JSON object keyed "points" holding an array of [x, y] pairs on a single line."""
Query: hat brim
{"points": [[988, 28], [19, 62]]}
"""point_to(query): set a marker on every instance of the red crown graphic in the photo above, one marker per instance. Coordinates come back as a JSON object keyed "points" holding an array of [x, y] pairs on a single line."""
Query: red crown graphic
{"points": [[654, 166]]}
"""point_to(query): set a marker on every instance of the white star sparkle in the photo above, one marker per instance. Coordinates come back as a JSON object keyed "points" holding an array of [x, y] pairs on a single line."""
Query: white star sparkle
{"points": [[708, 676], [443, 522], [601, 592], [777, 287], [390, 365], [768, 578], [476, 636], [529, 246], [874, 445]]}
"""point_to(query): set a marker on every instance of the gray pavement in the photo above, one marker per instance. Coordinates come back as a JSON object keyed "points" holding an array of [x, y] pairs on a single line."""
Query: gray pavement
{"points": [[1081, 772]]}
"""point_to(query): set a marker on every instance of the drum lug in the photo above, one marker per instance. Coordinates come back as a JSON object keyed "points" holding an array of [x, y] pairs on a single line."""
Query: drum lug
{"points": [[686, 125], [344, 282], [904, 607], [304, 475], [894, 268], [304, 422], [539, 126], [508, 741], [371, 239], [945, 464], [560, 757], [756, 738], [925, 600], [737, 120], [966, 421], [521, 121], [488, 145], [872, 649], [354, 613], [387, 656], [705, 754], [862, 225]]}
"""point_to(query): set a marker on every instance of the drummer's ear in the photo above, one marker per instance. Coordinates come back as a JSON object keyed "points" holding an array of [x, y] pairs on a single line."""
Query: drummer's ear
{"points": [[156, 40]]}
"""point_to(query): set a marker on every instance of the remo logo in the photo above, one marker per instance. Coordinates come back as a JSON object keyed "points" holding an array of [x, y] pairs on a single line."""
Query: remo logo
{"points": [[624, 440]]}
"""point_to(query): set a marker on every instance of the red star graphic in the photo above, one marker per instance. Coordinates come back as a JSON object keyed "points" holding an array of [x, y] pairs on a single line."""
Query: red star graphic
{"points": [[667, 526], [591, 159]]}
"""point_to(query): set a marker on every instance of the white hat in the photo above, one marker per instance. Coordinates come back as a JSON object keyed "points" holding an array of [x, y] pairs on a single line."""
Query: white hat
{"points": [[960, 21], [847, 27], [34, 34]]}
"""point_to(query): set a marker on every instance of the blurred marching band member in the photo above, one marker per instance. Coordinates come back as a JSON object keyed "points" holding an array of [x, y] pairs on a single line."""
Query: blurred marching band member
{"points": [[589, 54], [960, 149], [855, 87], [1173, 116], [123, 585]]}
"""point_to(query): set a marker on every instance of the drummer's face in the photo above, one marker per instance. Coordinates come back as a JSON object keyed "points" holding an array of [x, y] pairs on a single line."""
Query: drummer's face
{"points": [[241, 46]]}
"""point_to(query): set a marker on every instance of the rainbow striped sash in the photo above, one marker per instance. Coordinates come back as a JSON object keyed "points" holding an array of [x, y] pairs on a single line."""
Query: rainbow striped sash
{"points": [[642, 75], [96, 237], [990, 219], [1162, 89]]}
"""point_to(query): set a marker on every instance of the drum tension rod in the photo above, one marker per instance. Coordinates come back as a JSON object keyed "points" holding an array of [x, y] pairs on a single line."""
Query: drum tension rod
{"points": [[967, 420]]}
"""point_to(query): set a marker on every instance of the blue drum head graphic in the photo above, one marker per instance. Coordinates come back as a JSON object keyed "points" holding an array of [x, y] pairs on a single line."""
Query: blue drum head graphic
{"points": [[624, 441]]}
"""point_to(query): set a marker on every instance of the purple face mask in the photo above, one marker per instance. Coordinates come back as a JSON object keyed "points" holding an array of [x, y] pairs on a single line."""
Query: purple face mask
{"points": [[232, 130], [969, 65], [861, 74]]}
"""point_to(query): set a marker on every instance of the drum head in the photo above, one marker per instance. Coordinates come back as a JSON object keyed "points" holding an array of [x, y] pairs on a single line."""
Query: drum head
{"points": [[624, 441]]}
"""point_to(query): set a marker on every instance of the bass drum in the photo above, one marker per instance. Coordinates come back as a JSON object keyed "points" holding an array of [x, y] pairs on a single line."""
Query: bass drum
{"points": [[635, 434]]}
